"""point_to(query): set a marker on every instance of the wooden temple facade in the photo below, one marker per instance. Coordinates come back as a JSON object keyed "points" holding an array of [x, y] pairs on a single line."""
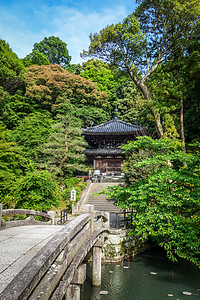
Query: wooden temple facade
{"points": [[104, 141]]}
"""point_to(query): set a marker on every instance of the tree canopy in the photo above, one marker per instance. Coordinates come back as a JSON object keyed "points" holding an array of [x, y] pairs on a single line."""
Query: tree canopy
{"points": [[12, 165], [164, 193], [11, 69], [51, 50], [50, 84], [63, 151], [144, 40]]}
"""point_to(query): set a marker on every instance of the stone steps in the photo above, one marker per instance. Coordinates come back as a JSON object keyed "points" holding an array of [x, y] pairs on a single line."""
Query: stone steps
{"points": [[100, 202]]}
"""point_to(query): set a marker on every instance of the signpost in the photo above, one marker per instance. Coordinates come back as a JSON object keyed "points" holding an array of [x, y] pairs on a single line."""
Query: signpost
{"points": [[73, 198]]}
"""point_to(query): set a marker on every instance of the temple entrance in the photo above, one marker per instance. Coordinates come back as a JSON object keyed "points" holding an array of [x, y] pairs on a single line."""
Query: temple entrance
{"points": [[108, 165]]}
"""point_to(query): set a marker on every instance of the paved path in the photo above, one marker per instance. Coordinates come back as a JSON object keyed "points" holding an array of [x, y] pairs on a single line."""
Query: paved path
{"points": [[18, 245]]}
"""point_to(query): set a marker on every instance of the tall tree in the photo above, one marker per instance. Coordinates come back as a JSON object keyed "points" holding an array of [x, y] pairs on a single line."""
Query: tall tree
{"points": [[12, 165], [54, 51], [11, 69], [164, 194], [49, 85], [145, 39], [31, 133], [107, 79], [36, 58], [63, 152], [190, 72], [131, 104]]}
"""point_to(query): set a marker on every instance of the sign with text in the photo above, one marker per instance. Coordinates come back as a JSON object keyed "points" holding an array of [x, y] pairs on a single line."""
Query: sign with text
{"points": [[73, 195]]}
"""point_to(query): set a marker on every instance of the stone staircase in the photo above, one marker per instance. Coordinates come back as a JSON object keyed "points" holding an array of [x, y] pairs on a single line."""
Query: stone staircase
{"points": [[100, 202]]}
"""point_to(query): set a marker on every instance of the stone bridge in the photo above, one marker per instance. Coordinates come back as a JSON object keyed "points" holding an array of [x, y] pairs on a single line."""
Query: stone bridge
{"points": [[58, 269]]}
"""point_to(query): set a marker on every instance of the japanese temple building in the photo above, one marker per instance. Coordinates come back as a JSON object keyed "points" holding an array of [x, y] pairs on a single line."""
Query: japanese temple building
{"points": [[104, 141]]}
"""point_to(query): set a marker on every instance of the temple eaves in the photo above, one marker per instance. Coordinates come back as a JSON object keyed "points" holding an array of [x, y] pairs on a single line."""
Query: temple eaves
{"points": [[114, 126]]}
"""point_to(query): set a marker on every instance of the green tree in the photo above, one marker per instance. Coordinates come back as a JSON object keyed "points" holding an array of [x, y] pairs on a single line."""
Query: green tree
{"points": [[11, 69], [35, 58], [107, 79], [188, 67], [49, 85], [90, 115], [132, 106], [12, 165], [36, 190], [54, 51], [163, 84], [165, 196], [62, 154], [13, 108], [139, 46], [31, 133]]}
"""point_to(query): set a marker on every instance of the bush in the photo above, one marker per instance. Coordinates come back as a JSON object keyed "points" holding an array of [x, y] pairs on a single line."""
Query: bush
{"points": [[77, 183], [36, 190]]}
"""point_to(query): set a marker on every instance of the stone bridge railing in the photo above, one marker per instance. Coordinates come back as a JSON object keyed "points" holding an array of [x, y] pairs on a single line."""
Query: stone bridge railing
{"points": [[30, 220], [57, 270]]}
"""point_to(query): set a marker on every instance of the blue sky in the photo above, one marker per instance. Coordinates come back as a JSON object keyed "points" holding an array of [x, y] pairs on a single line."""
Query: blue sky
{"points": [[23, 23]]}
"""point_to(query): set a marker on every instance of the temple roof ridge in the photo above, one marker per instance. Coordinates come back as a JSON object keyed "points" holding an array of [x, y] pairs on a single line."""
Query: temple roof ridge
{"points": [[115, 126]]}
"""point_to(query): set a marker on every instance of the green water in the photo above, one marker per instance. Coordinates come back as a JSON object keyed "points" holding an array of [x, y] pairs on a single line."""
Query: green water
{"points": [[136, 282]]}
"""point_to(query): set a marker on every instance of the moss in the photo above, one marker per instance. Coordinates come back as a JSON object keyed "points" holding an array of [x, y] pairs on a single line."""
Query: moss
{"points": [[109, 251]]}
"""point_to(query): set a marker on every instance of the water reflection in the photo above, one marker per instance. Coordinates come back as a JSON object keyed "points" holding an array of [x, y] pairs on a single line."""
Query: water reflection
{"points": [[136, 282]]}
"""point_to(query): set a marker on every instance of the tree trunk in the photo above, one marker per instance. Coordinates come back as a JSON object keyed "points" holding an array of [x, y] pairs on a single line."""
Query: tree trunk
{"points": [[157, 121], [181, 110], [66, 152], [145, 91]]}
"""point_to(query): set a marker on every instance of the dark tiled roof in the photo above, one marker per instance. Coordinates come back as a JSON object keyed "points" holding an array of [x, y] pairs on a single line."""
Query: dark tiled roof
{"points": [[106, 151], [115, 126]]}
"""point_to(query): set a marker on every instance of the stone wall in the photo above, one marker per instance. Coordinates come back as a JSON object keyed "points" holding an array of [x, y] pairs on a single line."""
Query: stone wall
{"points": [[120, 245]]}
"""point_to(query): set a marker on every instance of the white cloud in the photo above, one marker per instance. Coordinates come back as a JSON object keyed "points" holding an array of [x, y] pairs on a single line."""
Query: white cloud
{"points": [[74, 27], [16, 32], [70, 25]]}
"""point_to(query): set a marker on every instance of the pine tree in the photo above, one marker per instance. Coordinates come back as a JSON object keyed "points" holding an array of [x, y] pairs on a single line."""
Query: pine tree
{"points": [[63, 152]]}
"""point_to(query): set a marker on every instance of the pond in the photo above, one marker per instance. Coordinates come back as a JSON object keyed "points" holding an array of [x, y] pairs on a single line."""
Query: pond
{"points": [[151, 276]]}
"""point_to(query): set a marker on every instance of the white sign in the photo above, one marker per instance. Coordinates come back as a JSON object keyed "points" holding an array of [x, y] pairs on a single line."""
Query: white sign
{"points": [[73, 195]]}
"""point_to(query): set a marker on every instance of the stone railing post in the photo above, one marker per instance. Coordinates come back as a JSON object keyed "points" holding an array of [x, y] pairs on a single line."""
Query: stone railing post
{"points": [[1, 208], [96, 266], [96, 262], [89, 209], [108, 217], [52, 214], [74, 289]]}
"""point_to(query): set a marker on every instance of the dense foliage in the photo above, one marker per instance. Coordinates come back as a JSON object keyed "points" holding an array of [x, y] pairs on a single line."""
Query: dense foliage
{"points": [[49, 84], [12, 164], [11, 69], [63, 151], [36, 190], [50, 50], [43, 108], [163, 189], [145, 40]]}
